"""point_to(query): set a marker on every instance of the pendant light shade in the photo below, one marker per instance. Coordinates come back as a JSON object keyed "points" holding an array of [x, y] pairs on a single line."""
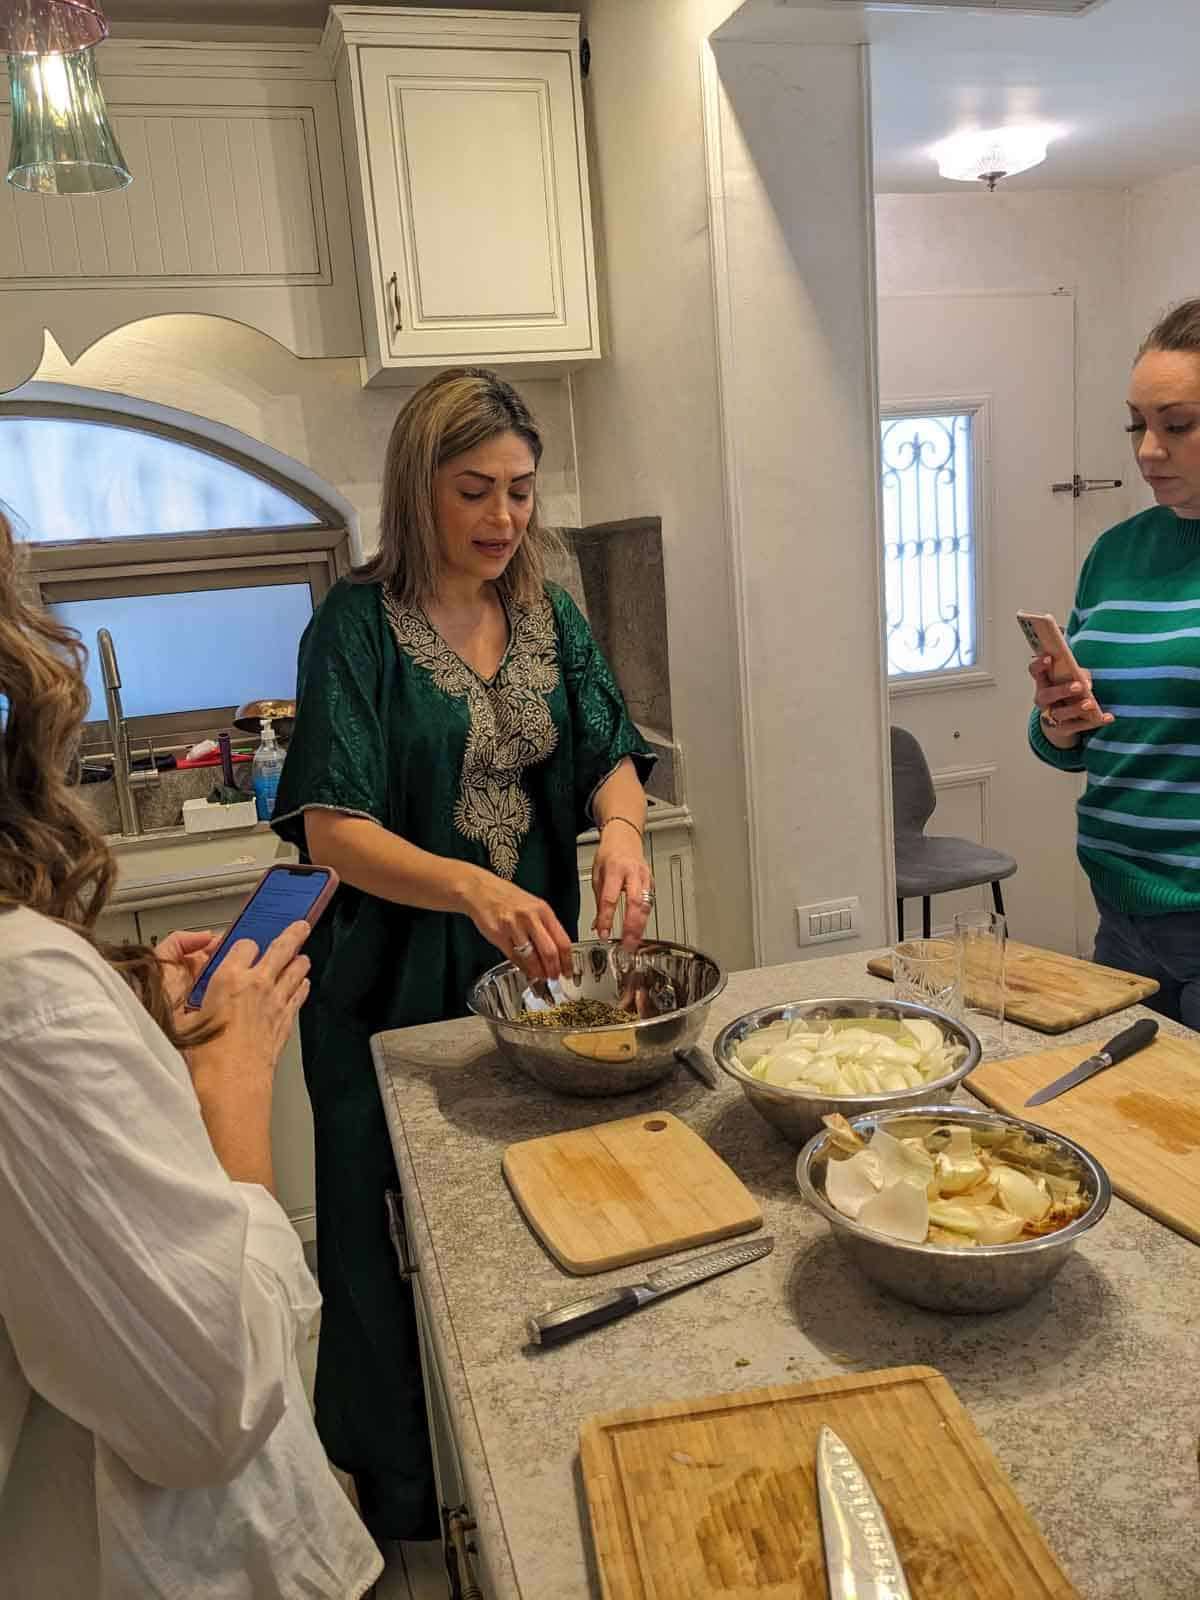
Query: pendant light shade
{"points": [[62, 141], [50, 27]]}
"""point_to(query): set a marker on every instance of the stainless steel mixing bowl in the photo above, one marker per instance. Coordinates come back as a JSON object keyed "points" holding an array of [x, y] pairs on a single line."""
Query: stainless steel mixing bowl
{"points": [[797, 1114], [667, 988], [965, 1278]]}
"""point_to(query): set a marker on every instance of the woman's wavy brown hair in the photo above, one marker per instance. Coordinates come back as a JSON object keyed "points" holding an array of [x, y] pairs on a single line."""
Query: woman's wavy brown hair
{"points": [[452, 413], [52, 859]]}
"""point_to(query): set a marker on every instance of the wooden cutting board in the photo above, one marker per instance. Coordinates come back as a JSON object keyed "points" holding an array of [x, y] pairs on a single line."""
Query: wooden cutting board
{"points": [[624, 1191], [1052, 992], [718, 1496], [1140, 1119]]}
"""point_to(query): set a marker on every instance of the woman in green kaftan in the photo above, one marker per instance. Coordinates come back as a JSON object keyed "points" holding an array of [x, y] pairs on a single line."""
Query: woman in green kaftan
{"points": [[456, 729]]}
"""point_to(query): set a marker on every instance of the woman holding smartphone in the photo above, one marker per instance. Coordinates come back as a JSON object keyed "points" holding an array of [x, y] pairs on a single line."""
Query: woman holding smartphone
{"points": [[1131, 719], [155, 1437], [456, 729]]}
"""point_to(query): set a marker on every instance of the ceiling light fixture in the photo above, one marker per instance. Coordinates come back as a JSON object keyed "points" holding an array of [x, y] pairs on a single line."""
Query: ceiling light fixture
{"points": [[986, 156], [50, 27], [62, 140]]}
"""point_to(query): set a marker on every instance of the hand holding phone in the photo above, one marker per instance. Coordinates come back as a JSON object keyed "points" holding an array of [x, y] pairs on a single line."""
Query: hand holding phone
{"points": [[1071, 710]]}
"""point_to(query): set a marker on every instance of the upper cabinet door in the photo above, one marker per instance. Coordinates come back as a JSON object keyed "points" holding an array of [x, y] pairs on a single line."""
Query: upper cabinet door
{"points": [[474, 238]]}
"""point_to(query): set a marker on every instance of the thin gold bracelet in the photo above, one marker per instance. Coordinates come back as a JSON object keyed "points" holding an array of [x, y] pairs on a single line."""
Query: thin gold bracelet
{"points": [[628, 823]]}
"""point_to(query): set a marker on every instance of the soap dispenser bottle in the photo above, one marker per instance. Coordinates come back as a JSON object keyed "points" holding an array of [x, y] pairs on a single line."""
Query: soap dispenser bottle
{"points": [[268, 764]]}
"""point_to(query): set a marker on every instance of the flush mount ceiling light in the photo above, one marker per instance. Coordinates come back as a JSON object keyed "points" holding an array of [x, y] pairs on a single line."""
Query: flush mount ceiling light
{"points": [[50, 27], [987, 155]]}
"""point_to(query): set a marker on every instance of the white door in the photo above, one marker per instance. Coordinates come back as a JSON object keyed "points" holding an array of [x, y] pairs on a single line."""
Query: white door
{"points": [[479, 201], [1003, 365]]}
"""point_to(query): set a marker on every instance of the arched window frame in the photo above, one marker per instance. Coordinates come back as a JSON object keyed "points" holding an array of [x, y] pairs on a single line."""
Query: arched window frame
{"points": [[316, 554]]}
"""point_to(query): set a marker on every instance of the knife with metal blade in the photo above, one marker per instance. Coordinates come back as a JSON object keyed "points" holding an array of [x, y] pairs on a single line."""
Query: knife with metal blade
{"points": [[552, 1327], [1120, 1048], [860, 1554]]}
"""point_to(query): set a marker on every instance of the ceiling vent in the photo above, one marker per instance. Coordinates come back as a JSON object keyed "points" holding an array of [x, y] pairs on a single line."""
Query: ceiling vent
{"points": [[1028, 8]]}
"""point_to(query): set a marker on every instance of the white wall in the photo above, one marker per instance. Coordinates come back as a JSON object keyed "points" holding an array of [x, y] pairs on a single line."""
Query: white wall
{"points": [[647, 417], [1163, 249], [798, 346], [314, 411]]}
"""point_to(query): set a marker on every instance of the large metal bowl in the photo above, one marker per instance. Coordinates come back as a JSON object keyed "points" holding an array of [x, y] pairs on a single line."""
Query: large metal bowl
{"points": [[798, 1114], [967, 1278], [669, 986]]}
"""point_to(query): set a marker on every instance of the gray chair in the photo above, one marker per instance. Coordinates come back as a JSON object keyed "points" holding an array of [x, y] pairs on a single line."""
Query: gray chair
{"points": [[927, 866]]}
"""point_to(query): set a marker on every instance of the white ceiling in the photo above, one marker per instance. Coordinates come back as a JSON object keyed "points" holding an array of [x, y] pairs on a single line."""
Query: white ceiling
{"points": [[1123, 82]]}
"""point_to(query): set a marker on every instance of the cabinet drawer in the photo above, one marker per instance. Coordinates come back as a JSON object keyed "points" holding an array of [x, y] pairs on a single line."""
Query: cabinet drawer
{"points": [[215, 914]]}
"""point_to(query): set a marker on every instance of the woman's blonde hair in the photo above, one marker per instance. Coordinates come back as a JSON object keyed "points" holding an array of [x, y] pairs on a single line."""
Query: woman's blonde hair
{"points": [[1178, 330], [52, 858], [452, 413]]}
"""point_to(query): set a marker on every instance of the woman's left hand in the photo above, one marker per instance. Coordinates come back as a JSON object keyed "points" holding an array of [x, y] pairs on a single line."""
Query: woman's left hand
{"points": [[620, 865], [184, 955]]}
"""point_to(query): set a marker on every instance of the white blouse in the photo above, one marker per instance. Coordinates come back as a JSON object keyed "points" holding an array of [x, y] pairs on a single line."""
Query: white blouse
{"points": [[155, 1437]]}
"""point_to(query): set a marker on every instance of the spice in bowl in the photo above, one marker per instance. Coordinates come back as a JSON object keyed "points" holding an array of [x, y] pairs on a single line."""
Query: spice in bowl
{"points": [[574, 1014]]}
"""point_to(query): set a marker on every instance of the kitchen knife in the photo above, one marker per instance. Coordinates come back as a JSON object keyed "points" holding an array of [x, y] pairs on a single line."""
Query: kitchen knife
{"points": [[860, 1557], [1117, 1049], [553, 1327]]}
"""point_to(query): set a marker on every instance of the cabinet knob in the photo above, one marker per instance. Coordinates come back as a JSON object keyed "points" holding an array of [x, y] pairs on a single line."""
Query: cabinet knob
{"points": [[394, 286]]}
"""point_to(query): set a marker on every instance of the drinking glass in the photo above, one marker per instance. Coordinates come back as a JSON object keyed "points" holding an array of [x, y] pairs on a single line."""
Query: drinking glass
{"points": [[927, 972], [981, 937]]}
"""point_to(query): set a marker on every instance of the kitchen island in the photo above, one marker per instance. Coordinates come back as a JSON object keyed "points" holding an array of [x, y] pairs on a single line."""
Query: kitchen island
{"points": [[1088, 1395]]}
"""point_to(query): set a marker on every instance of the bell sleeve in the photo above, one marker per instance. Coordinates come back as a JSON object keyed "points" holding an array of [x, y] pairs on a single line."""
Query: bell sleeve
{"points": [[602, 732], [336, 758]]}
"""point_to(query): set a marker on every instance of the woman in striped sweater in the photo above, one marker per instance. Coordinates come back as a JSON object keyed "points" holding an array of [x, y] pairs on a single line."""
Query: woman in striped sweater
{"points": [[1132, 722]]}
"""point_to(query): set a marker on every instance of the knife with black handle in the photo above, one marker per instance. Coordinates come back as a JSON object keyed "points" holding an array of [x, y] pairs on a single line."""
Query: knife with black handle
{"points": [[1120, 1048], [553, 1327]]}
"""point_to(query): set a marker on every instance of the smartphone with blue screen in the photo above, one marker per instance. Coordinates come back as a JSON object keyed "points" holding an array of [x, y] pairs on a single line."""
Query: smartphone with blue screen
{"points": [[284, 894]]}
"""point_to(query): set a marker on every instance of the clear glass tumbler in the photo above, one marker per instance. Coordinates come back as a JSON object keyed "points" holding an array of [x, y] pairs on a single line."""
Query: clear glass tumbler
{"points": [[981, 937], [928, 973]]}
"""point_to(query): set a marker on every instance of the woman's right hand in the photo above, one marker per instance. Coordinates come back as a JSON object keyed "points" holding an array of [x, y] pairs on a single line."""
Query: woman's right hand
{"points": [[1067, 709], [255, 1002], [523, 928]]}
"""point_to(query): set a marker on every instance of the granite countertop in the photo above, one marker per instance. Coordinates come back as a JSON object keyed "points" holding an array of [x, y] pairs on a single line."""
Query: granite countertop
{"points": [[1087, 1395]]}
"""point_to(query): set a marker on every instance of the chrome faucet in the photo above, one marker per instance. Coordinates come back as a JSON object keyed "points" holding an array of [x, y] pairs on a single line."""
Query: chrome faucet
{"points": [[118, 732]]}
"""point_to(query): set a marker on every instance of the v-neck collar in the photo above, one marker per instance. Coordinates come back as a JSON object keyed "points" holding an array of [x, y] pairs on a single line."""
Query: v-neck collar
{"points": [[444, 643]]}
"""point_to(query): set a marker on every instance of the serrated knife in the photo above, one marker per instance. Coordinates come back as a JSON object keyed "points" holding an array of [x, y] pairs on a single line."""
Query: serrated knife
{"points": [[1119, 1048], [594, 1310], [860, 1555]]}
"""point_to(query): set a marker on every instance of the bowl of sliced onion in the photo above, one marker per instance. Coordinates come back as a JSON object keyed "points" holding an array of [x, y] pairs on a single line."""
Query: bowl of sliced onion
{"points": [[800, 1061], [952, 1208]]}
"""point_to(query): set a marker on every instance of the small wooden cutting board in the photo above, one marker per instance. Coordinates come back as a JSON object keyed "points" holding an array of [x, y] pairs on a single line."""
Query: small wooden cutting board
{"points": [[624, 1191], [1140, 1119], [1051, 992], [718, 1496]]}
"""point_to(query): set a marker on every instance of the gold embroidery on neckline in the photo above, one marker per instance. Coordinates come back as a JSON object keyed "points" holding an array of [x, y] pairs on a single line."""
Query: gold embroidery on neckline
{"points": [[509, 723]]}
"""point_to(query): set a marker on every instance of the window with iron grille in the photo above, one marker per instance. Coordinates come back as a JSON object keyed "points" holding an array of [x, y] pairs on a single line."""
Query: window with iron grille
{"points": [[930, 500]]}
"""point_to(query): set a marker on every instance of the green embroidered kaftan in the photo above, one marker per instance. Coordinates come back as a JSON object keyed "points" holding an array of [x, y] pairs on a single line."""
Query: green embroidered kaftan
{"points": [[392, 725]]}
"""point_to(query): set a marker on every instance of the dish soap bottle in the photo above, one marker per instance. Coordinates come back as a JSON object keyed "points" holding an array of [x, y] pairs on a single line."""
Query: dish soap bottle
{"points": [[268, 764]]}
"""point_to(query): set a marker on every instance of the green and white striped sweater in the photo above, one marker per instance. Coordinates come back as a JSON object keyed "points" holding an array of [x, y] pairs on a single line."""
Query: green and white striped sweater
{"points": [[1136, 629]]}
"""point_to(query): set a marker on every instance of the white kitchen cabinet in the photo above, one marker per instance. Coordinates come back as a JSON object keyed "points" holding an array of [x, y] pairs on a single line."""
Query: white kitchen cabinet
{"points": [[675, 904], [668, 847], [237, 209], [464, 142]]}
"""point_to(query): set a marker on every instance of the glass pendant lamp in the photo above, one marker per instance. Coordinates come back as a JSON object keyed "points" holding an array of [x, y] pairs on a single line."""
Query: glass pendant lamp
{"points": [[62, 140], [50, 27]]}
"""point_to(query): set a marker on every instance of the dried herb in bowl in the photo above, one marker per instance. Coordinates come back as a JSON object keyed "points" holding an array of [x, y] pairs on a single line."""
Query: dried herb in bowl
{"points": [[578, 1014]]}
